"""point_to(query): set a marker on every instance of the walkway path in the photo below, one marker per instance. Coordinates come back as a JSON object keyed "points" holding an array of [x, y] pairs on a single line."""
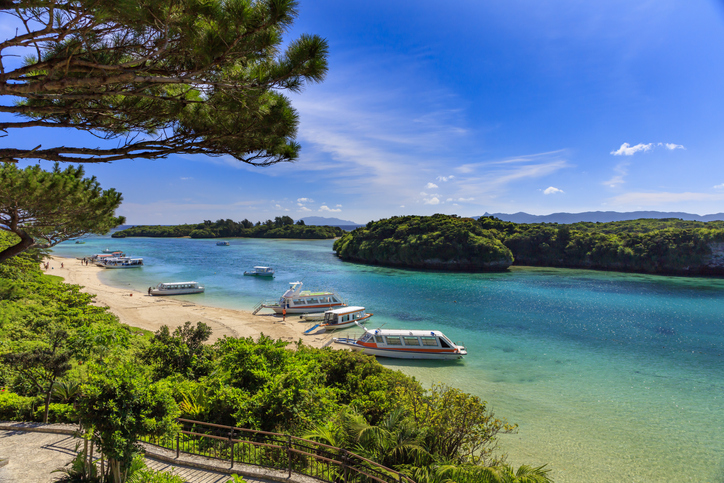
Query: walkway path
{"points": [[32, 456]]}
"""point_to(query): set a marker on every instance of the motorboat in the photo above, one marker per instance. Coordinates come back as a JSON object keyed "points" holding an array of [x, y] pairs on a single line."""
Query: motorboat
{"points": [[404, 344], [79, 242], [108, 250], [120, 262], [104, 256], [341, 319], [176, 288], [296, 301], [222, 243], [261, 272]]}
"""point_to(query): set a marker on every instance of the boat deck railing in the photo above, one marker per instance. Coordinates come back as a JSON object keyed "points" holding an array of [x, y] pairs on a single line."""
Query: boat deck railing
{"points": [[277, 451]]}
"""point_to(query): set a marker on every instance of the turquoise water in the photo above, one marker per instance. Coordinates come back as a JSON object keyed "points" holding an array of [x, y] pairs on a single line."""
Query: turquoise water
{"points": [[610, 377]]}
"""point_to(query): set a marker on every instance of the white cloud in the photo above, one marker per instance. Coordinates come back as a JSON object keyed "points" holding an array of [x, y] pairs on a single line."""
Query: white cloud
{"points": [[551, 190], [338, 206], [305, 200], [187, 178], [430, 186], [719, 186], [327, 208], [444, 178], [627, 150], [432, 201], [304, 208], [621, 170], [278, 207]]}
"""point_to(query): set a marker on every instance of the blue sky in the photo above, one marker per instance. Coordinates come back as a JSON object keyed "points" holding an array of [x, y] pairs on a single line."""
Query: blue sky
{"points": [[472, 106]]}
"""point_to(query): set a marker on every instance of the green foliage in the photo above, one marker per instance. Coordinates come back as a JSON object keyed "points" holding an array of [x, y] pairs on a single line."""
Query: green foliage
{"points": [[451, 243], [281, 227], [439, 242], [44, 208], [478, 474], [122, 404], [182, 353], [57, 413], [43, 364], [651, 246], [459, 428], [16, 408], [162, 77]]}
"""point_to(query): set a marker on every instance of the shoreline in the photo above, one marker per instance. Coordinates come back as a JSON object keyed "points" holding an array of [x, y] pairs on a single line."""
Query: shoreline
{"points": [[138, 309]]}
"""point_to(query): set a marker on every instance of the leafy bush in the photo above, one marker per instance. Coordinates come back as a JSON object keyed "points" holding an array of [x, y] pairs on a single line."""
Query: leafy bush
{"points": [[14, 407], [57, 413]]}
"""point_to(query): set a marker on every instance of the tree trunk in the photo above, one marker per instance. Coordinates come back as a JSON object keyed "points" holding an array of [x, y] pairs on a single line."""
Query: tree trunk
{"points": [[47, 403], [26, 241]]}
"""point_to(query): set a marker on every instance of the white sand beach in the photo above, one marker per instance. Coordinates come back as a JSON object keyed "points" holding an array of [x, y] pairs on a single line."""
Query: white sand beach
{"points": [[138, 309]]}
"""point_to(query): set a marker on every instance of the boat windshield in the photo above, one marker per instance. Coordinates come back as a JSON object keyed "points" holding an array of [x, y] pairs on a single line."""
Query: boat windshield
{"points": [[366, 338]]}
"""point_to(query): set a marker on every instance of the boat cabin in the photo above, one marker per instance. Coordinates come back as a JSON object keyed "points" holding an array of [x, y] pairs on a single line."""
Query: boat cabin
{"points": [[177, 286], [344, 315], [408, 338]]}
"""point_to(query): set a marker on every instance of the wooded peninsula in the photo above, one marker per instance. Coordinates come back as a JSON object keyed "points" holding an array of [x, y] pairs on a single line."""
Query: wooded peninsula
{"points": [[448, 242], [281, 227]]}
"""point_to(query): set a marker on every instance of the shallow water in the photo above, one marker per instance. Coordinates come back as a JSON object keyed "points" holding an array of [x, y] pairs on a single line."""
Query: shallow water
{"points": [[610, 377]]}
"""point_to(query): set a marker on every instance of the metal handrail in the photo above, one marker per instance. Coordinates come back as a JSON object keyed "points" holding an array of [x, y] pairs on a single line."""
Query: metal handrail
{"points": [[278, 451]]}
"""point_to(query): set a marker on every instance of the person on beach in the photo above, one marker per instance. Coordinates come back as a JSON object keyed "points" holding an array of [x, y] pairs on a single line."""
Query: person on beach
{"points": [[149, 290], [284, 314], [61, 264]]}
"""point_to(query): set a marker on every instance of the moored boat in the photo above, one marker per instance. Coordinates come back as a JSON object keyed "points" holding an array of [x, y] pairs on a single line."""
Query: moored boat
{"points": [[261, 272], [222, 243], [176, 288], [341, 318], [296, 301], [120, 262], [405, 344]]}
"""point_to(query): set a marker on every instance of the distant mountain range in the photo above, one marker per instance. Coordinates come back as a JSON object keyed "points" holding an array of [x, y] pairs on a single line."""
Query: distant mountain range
{"points": [[600, 216], [322, 221]]}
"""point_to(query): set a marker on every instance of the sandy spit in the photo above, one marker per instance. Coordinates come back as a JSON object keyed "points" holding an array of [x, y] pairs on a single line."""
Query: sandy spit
{"points": [[138, 309]]}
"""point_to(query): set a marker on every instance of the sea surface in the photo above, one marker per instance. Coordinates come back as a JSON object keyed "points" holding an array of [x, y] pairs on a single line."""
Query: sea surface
{"points": [[611, 377]]}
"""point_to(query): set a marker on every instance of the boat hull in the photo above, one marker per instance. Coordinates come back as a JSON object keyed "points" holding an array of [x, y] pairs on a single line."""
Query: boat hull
{"points": [[253, 274], [399, 353], [303, 310], [177, 292], [119, 266]]}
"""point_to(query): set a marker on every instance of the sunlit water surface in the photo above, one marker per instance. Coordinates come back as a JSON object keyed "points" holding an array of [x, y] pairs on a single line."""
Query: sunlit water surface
{"points": [[610, 377]]}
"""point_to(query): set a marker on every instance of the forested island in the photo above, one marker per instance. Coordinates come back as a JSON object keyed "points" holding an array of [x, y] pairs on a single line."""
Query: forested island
{"points": [[662, 246], [63, 359], [280, 227]]}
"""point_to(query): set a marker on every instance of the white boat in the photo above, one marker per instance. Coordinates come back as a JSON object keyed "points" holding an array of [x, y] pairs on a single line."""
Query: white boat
{"points": [[120, 262], [176, 288], [297, 301], [405, 344], [341, 319], [222, 243], [261, 272], [102, 256], [108, 250]]}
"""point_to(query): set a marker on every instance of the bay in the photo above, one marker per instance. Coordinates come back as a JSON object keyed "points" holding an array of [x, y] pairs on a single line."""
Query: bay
{"points": [[610, 376]]}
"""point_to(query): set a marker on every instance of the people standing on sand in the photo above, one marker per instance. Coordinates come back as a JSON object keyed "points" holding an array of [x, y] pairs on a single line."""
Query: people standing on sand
{"points": [[284, 314], [61, 264], [149, 290]]}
